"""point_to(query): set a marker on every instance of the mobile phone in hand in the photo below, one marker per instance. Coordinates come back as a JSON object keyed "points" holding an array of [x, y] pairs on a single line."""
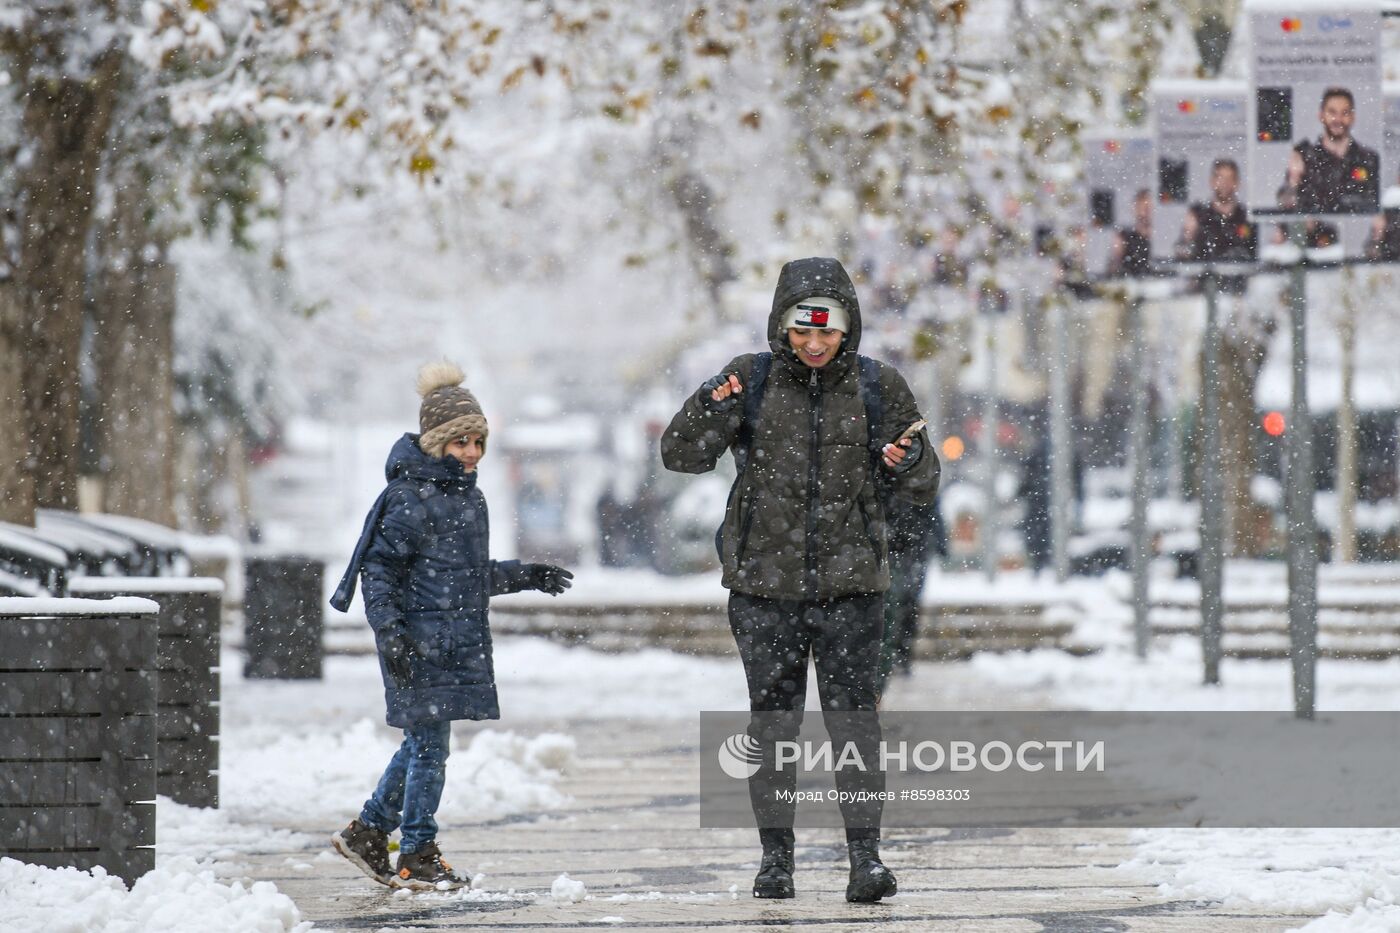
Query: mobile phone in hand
{"points": [[913, 429]]}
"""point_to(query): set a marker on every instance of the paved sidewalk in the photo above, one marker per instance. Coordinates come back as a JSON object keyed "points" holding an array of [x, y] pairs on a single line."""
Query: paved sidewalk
{"points": [[631, 837]]}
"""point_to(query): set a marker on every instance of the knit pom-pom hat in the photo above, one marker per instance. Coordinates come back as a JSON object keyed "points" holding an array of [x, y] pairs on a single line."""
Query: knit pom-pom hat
{"points": [[448, 411]]}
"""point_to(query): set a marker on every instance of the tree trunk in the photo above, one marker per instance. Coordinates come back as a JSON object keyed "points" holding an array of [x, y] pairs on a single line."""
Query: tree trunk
{"points": [[65, 126], [16, 476], [711, 251], [135, 345], [1345, 482], [1248, 525]]}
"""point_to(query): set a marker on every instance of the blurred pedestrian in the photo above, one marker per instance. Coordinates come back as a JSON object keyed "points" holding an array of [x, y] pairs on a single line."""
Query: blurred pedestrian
{"points": [[815, 430], [915, 532], [614, 540], [427, 579], [1034, 493]]}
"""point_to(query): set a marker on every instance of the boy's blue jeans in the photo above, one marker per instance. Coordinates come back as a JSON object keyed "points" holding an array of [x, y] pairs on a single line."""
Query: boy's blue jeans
{"points": [[411, 785]]}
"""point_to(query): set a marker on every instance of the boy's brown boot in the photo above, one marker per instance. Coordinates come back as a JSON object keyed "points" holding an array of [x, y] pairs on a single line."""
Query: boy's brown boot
{"points": [[367, 849], [425, 870]]}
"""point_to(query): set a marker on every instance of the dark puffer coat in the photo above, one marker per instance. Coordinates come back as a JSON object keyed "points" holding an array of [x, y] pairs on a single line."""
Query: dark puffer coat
{"points": [[423, 555], [805, 520]]}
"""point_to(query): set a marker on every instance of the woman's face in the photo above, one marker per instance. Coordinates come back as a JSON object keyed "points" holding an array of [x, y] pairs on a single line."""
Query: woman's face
{"points": [[815, 346], [467, 451]]}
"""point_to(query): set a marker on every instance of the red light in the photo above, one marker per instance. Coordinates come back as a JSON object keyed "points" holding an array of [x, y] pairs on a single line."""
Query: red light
{"points": [[1274, 424]]}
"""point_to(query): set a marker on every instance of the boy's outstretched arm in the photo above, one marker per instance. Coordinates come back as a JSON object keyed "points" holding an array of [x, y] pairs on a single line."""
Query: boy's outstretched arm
{"points": [[512, 576]]}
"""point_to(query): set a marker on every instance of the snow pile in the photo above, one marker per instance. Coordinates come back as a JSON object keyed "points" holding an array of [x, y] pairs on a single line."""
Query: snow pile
{"points": [[476, 894], [314, 775], [565, 888], [1371, 917], [502, 773], [179, 889], [200, 832], [322, 775], [1296, 869]]}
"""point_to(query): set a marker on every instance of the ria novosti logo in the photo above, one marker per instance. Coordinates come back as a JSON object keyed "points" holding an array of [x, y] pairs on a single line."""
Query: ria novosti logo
{"points": [[740, 756]]}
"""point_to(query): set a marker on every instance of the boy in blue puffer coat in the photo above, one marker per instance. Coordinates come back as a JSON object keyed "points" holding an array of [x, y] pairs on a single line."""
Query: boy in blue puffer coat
{"points": [[427, 579]]}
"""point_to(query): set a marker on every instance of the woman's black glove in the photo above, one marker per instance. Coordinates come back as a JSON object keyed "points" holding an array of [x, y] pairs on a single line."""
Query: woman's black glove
{"points": [[548, 578], [912, 458], [726, 384], [397, 650]]}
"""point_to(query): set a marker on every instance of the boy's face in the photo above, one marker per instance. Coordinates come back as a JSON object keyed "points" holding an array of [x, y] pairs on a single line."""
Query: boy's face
{"points": [[467, 451], [815, 346]]}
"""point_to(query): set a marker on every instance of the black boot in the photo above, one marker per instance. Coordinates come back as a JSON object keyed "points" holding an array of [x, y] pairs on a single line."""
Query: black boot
{"points": [[870, 879], [774, 877]]}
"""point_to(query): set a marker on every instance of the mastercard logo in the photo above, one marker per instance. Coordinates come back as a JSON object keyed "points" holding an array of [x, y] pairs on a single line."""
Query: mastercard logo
{"points": [[1242, 230], [1360, 174], [1291, 24], [1266, 137], [1112, 145], [1186, 106]]}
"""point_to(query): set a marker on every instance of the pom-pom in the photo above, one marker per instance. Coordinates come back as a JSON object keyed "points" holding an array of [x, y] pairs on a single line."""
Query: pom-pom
{"points": [[439, 375]]}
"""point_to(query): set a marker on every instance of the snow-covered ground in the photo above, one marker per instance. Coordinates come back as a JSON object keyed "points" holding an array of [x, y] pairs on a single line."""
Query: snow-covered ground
{"points": [[1350, 876], [298, 758], [1353, 876], [306, 754]]}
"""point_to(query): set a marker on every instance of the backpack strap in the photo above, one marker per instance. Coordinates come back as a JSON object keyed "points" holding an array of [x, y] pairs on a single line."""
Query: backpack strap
{"points": [[753, 400], [873, 398]]}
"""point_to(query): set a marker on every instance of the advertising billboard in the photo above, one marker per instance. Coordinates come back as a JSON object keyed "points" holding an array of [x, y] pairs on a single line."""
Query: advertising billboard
{"points": [[1316, 125], [1198, 187], [1118, 170]]}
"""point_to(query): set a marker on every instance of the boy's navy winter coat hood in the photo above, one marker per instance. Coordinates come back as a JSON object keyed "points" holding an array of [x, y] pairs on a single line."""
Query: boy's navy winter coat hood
{"points": [[426, 571]]}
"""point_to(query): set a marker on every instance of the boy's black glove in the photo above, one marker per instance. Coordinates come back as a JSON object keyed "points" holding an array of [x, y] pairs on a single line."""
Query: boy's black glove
{"points": [[548, 578], [397, 650]]}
